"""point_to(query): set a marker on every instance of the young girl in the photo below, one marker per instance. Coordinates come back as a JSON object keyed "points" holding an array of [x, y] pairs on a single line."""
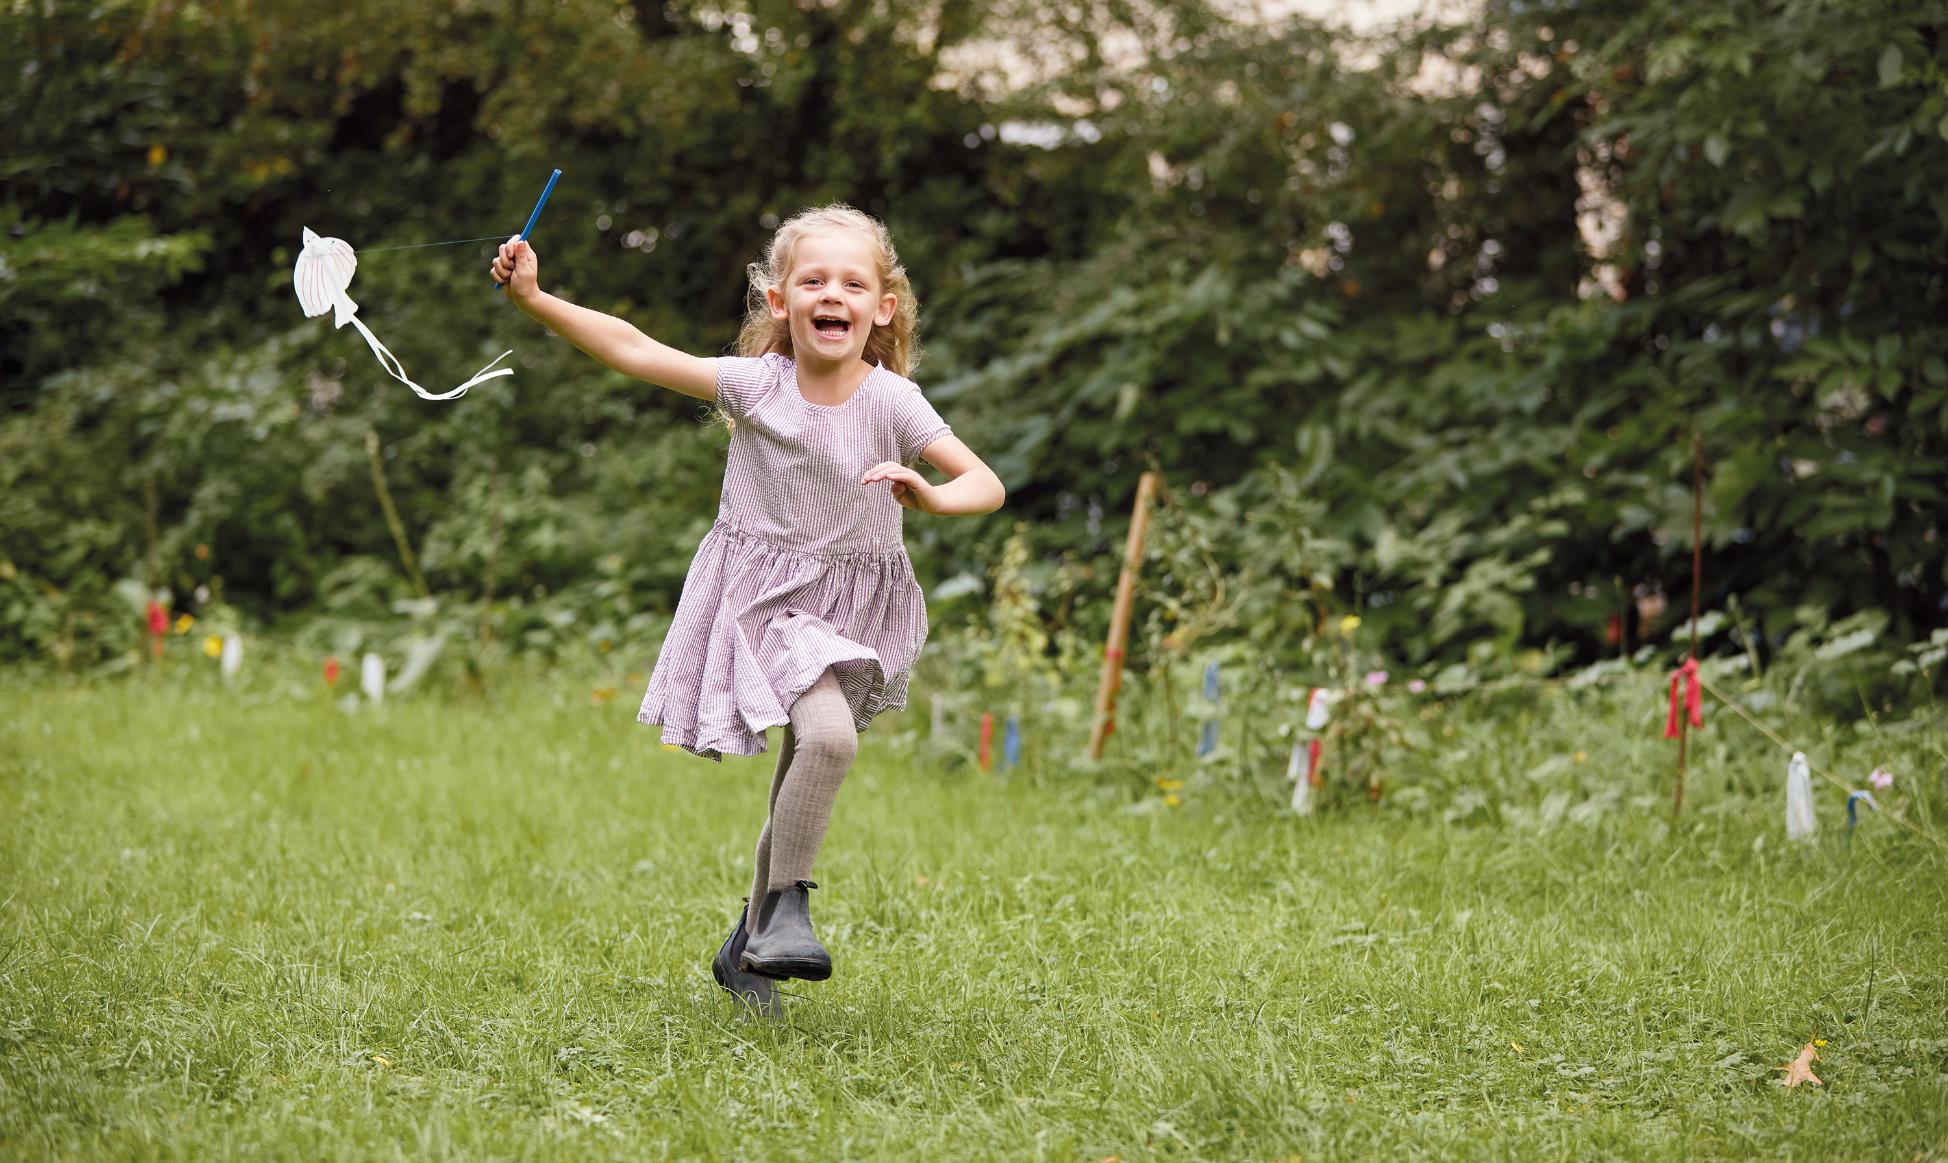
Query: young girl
{"points": [[800, 609]]}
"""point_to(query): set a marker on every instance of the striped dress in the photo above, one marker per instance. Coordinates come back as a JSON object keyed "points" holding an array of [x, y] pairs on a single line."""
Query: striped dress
{"points": [[804, 569]]}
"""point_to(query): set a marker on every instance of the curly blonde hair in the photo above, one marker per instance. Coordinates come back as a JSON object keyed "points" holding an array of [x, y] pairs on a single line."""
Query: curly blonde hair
{"points": [[896, 345]]}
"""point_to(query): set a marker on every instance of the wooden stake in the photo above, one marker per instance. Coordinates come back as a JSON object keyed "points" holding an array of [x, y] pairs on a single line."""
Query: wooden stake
{"points": [[150, 581], [1119, 619], [150, 504], [487, 575], [1697, 576], [1623, 620], [392, 514]]}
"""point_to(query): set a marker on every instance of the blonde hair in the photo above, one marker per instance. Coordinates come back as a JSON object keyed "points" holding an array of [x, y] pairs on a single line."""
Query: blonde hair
{"points": [[896, 345]]}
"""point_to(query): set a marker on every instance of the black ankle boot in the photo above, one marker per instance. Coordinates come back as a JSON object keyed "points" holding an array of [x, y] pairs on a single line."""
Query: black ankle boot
{"points": [[782, 943], [755, 990]]}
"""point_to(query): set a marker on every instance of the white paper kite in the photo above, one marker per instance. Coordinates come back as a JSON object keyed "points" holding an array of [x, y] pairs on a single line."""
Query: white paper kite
{"points": [[324, 271]]}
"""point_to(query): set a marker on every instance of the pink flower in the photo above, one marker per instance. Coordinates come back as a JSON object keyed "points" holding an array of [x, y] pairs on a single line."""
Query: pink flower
{"points": [[1376, 678], [1416, 685], [1881, 779]]}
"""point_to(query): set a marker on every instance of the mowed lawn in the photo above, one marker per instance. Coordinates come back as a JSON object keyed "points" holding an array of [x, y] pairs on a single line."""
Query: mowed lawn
{"points": [[480, 929]]}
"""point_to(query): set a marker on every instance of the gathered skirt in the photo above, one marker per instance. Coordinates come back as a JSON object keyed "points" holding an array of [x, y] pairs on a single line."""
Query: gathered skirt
{"points": [[759, 622]]}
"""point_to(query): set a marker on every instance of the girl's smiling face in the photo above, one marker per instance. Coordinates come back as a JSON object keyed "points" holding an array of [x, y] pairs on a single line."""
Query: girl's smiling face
{"points": [[831, 298]]}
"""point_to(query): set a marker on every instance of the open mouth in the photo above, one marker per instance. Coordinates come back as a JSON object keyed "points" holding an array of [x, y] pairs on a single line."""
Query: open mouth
{"points": [[831, 326]]}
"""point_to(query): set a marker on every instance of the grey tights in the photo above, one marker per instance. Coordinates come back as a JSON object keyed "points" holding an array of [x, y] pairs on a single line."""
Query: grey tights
{"points": [[818, 747]]}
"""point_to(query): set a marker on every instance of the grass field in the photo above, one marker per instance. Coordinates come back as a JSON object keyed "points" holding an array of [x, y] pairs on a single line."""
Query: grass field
{"points": [[460, 929]]}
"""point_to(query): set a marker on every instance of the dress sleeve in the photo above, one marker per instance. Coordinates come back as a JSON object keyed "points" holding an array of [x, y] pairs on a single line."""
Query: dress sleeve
{"points": [[916, 423], [742, 382]]}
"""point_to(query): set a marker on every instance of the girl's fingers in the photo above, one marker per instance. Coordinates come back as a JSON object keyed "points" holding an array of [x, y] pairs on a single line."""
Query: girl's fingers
{"points": [[886, 470]]}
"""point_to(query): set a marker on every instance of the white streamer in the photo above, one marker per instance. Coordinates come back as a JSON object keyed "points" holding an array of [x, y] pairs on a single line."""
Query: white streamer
{"points": [[1801, 823]]}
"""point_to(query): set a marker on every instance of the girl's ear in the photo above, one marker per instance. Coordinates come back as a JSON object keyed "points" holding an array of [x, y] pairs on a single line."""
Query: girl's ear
{"points": [[888, 303], [776, 300]]}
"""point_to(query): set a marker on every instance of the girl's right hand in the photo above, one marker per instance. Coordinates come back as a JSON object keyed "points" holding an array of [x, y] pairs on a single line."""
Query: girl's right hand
{"points": [[516, 268]]}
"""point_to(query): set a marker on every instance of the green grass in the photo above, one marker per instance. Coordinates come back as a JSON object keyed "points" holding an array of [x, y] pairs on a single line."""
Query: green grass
{"points": [[218, 916]]}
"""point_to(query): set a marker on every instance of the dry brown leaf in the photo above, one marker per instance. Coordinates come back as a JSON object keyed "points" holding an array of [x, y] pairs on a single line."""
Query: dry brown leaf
{"points": [[1800, 1069]]}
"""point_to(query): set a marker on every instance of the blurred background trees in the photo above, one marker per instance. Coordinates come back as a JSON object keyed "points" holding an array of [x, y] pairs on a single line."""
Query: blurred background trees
{"points": [[1417, 325]]}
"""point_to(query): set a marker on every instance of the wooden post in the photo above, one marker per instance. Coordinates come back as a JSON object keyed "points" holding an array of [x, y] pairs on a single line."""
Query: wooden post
{"points": [[1697, 574], [392, 513], [150, 573], [494, 537], [1623, 620], [1119, 619], [150, 503]]}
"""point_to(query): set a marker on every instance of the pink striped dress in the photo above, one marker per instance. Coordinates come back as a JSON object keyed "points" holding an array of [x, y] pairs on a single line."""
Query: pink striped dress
{"points": [[804, 569]]}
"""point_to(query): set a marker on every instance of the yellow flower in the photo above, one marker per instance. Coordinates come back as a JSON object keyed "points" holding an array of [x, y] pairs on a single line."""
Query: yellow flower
{"points": [[601, 695], [1168, 784], [183, 623], [202, 552], [1582, 757], [381, 1059], [1819, 1042], [1172, 800], [1518, 1047], [213, 645], [158, 154], [1349, 623]]}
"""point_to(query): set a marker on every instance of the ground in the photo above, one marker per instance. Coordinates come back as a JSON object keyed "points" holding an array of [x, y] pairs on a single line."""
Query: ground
{"points": [[481, 929]]}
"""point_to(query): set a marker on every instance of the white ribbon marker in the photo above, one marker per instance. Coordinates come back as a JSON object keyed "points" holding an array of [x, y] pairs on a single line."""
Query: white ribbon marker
{"points": [[324, 271], [1801, 823], [1318, 709]]}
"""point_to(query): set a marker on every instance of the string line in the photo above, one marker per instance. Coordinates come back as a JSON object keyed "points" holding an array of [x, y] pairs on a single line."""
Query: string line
{"points": [[424, 245], [1768, 732], [1814, 767]]}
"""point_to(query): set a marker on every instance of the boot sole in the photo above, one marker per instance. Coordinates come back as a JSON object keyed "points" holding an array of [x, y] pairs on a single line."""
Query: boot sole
{"points": [[784, 970]]}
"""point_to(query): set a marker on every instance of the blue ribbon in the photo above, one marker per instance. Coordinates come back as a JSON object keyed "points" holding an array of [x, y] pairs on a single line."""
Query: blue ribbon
{"points": [[1207, 742], [1854, 799]]}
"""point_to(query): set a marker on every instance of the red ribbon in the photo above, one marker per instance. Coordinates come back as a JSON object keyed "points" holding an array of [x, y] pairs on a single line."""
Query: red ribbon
{"points": [[1693, 700]]}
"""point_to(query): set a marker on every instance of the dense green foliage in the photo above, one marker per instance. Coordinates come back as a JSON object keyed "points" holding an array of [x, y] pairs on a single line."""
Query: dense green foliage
{"points": [[456, 928], [1338, 292]]}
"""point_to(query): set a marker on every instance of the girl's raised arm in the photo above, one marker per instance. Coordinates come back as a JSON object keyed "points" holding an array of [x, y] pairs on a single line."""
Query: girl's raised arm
{"points": [[615, 342]]}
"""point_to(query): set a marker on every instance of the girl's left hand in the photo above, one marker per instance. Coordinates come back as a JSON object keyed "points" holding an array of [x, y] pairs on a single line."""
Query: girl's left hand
{"points": [[909, 488]]}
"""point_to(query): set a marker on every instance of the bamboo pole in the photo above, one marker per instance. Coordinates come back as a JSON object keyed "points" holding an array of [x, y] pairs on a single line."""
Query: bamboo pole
{"points": [[1119, 620], [1697, 575], [392, 513]]}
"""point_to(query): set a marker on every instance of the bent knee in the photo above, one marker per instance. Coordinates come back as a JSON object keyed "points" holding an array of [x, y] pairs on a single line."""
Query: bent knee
{"points": [[827, 744]]}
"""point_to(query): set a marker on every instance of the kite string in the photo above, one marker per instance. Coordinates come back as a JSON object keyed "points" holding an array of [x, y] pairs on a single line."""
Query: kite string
{"points": [[424, 245]]}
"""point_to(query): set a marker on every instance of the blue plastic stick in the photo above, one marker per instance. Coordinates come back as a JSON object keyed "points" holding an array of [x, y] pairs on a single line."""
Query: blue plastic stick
{"points": [[529, 228]]}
